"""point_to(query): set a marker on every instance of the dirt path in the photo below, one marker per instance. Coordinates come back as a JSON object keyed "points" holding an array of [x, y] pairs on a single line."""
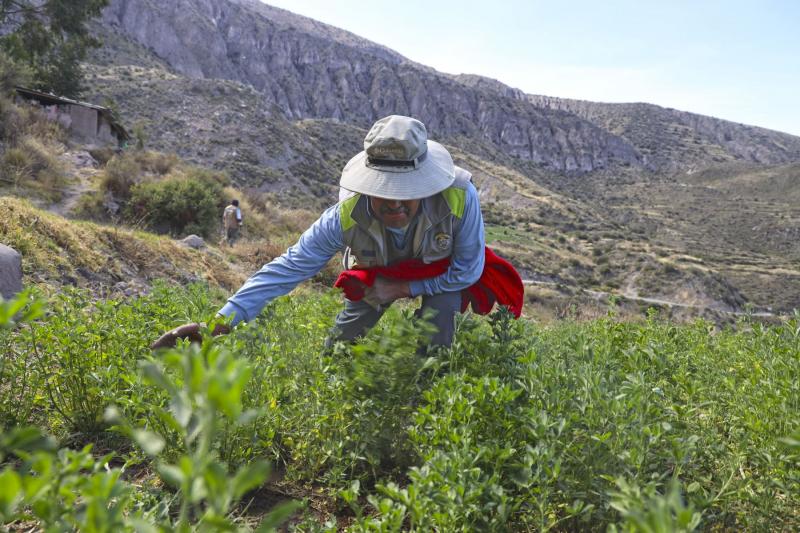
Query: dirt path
{"points": [[72, 193], [81, 169]]}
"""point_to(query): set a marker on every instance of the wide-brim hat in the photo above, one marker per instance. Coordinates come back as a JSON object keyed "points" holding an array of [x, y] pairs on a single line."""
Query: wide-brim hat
{"points": [[399, 162]]}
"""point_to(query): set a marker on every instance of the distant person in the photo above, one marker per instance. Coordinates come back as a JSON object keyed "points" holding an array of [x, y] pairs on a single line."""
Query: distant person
{"points": [[410, 226], [231, 222]]}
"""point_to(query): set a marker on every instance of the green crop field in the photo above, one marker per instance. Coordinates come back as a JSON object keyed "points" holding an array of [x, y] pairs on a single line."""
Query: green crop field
{"points": [[602, 426]]}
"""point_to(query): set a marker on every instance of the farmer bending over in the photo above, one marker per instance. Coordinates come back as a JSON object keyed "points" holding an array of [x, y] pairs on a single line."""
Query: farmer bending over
{"points": [[409, 225]]}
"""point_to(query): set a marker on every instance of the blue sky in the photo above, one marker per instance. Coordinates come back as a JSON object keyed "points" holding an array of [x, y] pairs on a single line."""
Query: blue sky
{"points": [[737, 60]]}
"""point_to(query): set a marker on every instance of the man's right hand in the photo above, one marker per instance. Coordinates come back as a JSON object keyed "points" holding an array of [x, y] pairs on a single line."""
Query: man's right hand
{"points": [[189, 331]]}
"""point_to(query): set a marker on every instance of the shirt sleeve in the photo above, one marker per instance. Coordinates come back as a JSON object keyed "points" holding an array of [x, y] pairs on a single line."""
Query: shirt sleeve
{"points": [[466, 263], [315, 248]]}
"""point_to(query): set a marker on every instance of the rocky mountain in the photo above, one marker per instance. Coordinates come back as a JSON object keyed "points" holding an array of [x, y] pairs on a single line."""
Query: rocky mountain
{"points": [[311, 70], [670, 139]]}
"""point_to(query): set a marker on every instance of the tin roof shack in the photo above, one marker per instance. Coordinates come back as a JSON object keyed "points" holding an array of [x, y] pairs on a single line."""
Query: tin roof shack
{"points": [[90, 123]]}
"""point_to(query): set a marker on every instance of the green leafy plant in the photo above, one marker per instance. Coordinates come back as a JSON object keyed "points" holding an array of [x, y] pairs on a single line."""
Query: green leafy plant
{"points": [[573, 426], [177, 205], [205, 386]]}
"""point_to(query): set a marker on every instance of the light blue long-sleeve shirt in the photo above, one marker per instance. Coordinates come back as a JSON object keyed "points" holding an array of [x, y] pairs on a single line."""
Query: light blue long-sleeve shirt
{"points": [[325, 237]]}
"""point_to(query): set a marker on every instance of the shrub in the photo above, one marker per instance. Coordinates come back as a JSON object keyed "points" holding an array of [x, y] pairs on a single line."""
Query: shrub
{"points": [[156, 162], [19, 122], [518, 427], [67, 490], [102, 155], [120, 175], [177, 205]]}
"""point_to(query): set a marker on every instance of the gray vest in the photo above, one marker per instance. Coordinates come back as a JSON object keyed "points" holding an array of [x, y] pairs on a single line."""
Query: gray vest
{"points": [[432, 239]]}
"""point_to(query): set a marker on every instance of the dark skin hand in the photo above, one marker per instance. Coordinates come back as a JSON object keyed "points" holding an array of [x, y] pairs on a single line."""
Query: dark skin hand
{"points": [[385, 291], [189, 331]]}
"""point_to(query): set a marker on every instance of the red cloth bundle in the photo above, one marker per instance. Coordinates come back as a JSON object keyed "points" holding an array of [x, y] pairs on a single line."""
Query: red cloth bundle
{"points": [[499, 282]]}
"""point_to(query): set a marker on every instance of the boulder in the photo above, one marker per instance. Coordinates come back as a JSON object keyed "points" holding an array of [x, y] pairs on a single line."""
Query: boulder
{"points": [[80, 159], [10, 271], [194, 241]]}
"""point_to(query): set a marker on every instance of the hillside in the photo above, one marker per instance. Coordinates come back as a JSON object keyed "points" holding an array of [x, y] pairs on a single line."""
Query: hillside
{"points": [[672, 140], [105, 259], [682, 241], [624, 232]]}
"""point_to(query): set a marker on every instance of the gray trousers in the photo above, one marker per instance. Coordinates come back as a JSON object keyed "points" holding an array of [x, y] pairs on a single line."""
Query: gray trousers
{"points": [[357, 317]]}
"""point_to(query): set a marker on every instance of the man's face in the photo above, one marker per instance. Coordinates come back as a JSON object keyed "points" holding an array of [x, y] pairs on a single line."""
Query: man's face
{"points": [[394, 213]]}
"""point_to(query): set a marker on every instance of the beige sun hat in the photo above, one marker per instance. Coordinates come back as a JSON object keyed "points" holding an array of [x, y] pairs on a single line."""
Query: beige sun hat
{"points": [[399, 162]]}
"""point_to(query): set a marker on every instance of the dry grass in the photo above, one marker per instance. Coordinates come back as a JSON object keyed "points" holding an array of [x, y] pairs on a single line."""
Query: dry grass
{"points": [[32, 145], [57, 251]]}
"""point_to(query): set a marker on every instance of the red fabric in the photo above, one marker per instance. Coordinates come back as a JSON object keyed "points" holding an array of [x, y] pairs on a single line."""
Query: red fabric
{"points": [[500, 282]]}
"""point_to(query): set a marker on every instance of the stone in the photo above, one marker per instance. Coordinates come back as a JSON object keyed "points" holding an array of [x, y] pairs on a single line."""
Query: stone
{"points": [[10, 271], [110, 204], [193, 241], [80, 159]]}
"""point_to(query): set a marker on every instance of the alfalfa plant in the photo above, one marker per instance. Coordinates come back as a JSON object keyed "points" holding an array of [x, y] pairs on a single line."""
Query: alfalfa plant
{"points": [[204, 385]]}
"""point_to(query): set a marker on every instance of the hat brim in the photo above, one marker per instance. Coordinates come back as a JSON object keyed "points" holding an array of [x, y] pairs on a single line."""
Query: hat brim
{"points": [[433, 175]]}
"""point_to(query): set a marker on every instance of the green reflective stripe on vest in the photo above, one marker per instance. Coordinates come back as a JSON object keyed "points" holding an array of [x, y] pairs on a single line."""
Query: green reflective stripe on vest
{"points": [[346, 212], [457, 199]]}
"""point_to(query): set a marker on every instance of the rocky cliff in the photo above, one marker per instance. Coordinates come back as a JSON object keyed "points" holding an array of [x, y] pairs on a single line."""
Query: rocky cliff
{"points": [[310, 70], [672, 139], [307, 69]]}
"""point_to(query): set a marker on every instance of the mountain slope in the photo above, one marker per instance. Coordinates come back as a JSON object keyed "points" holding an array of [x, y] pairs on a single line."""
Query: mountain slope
{"points": [[670, 139], [310, 76], [701, 237], [310, 70]]}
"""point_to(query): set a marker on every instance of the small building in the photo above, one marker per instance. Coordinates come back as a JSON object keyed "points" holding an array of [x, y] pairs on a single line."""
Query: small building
{"points": [[90, 123]]}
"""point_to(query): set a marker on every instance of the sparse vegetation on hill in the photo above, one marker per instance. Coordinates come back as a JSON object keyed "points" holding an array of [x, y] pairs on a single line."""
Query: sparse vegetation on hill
{"points": [[62, 252], [156, 191]]}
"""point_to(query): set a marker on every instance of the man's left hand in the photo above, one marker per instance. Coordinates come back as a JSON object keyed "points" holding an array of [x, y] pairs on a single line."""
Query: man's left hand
{"points": [[384, 291]]}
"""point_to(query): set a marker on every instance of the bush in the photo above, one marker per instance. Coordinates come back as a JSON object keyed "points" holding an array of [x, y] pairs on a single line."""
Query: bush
{"points": [[67, 490], [156, 162], [179, 205], [102, 155], [19, 122], [120, 175]]}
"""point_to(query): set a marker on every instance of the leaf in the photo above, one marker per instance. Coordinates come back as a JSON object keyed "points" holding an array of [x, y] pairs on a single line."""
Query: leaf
{"points": [[155, 374], [278, 515], [143, 526], [151, 443], [10, 492], [27, 439], [249, 477], [172, 475], [112, 415], [181, 408], [250, 415]]}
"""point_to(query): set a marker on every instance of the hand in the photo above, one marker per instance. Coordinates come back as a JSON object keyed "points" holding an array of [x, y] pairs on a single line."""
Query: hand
{"points": [[384, 291], [189, 331]]}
